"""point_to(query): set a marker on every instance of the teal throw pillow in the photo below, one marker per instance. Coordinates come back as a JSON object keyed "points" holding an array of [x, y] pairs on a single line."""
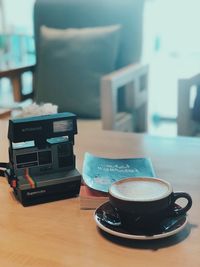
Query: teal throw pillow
{"points": [[70, 65]]}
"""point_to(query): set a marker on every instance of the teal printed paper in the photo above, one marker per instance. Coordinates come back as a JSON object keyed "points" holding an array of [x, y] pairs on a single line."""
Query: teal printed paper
{"points": [[99, 173]]}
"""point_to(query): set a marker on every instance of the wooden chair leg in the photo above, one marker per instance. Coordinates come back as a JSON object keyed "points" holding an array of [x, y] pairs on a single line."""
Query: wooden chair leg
{"points": [[16, 82]]}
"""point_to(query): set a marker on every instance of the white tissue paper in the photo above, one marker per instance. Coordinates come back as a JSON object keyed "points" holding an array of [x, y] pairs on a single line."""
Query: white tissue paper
{"points": [[37, 110]]}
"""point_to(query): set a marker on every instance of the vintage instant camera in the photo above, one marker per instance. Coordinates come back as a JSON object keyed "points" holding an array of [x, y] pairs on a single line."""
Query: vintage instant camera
{"points": [[42, 162]]}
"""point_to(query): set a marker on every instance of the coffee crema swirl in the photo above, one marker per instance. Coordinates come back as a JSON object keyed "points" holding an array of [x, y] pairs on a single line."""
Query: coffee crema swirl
{"points": [[140, 190]]}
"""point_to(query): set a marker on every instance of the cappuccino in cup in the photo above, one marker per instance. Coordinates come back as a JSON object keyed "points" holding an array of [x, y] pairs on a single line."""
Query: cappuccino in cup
{"points": [[146, 200], [140, 189]]}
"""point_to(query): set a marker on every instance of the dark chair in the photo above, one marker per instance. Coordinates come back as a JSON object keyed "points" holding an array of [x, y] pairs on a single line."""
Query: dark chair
{"points": [[111, 84]]}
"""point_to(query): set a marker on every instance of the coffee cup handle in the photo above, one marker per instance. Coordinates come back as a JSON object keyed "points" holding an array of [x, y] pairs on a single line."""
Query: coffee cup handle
{"points": [[183, 210]]}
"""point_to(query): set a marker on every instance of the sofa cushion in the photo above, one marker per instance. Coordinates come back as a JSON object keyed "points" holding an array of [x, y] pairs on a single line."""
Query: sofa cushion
{"points": [[70, 65]]}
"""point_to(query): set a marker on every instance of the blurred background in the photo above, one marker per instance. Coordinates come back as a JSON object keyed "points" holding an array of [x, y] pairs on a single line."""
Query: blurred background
{"points": [[171, 46]]}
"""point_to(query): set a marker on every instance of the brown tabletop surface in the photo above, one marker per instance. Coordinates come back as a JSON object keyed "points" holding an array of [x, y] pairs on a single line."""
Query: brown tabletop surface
{"points": [[60, 234]]}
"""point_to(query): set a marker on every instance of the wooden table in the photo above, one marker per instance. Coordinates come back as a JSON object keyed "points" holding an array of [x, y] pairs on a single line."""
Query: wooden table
{"points": [[60, 234]]}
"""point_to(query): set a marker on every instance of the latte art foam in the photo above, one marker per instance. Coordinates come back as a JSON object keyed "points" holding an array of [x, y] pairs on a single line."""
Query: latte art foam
{"points": [[140, 190]]}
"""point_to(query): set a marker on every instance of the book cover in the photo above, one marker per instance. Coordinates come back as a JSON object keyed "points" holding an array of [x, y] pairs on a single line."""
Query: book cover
{"points": [[99, 173], [90, 198]]}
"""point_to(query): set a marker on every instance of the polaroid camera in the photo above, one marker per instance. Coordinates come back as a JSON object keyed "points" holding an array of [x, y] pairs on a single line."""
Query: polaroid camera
{"points": [[41, 158]]}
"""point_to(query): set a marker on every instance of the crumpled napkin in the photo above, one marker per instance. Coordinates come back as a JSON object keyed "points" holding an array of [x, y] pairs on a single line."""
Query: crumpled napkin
{"points": [[37, 110]]}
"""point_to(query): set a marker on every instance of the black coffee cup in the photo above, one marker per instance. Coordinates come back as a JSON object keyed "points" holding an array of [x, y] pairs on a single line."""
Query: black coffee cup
{"points": [[144, 201]]}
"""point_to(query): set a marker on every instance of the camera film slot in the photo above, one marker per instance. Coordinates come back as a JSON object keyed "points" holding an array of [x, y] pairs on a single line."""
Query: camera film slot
{"points": [[34, 159], [26, 160]]}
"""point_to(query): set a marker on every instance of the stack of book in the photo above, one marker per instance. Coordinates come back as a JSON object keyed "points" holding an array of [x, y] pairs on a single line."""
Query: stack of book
{"points": [[99, 173], [90, 198]]}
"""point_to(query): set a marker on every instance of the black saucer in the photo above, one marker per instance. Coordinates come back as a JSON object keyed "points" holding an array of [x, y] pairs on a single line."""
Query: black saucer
{"points": [[108, 220]]}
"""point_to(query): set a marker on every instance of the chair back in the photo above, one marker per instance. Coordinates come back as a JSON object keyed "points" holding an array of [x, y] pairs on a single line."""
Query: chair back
{"points": [[63, 14]]}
